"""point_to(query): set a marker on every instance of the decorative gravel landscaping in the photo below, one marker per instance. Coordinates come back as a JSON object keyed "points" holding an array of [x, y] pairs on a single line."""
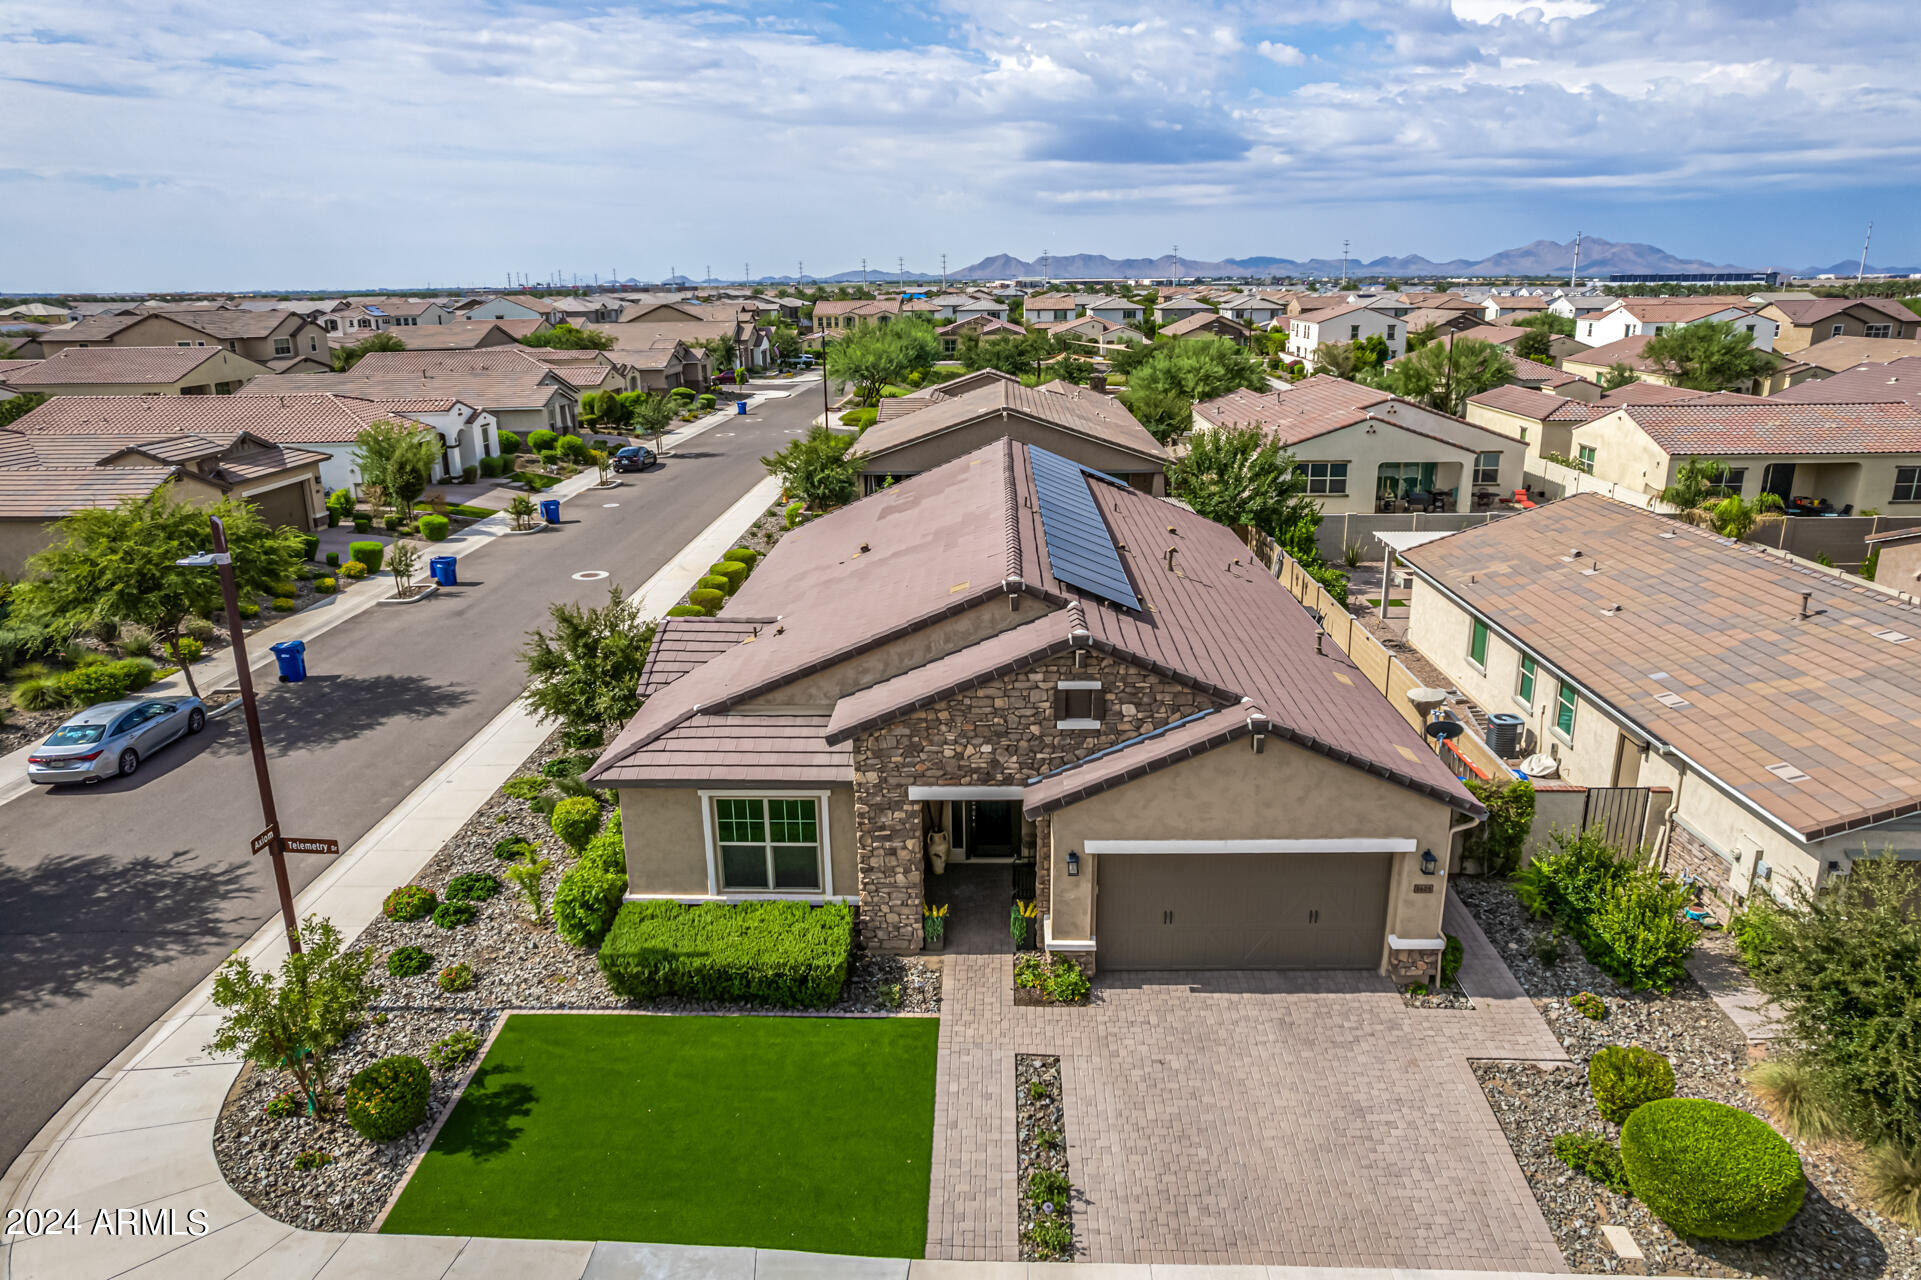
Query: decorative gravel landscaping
{"points": [[778, 1133], [1835, 1233], [1040, 1120]]}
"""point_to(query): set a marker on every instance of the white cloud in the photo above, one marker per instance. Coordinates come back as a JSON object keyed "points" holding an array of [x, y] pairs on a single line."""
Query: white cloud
{"points": [[1285, 55]]}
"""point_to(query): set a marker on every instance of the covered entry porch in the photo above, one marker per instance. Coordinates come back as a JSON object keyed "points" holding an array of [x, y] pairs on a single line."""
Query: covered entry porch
{"points": [[979, 860]]}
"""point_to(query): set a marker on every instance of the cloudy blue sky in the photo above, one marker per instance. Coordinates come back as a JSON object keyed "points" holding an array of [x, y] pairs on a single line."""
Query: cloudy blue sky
{"points": [[190, 144]]}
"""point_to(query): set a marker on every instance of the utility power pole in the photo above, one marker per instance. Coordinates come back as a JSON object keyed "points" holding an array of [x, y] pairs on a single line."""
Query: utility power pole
{"points": [[900, 274], [1576, 268], [943, 273], [863, 273], [1047, 268], [1343, 264], [1862, 270]]}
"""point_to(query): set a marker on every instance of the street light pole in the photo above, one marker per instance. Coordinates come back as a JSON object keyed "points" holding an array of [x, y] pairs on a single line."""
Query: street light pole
{"points": [[230, 596]]}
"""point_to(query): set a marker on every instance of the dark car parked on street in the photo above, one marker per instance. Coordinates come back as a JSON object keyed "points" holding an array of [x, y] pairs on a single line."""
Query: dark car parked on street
{"points": [[635, 457]]}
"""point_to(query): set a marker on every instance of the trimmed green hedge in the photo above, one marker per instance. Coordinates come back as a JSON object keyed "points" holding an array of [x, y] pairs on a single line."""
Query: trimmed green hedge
{"points": [[701, 598], [714, 582], [1623, 1078], [733, 570], [1707, 1169], [386, 1100], [368, 553], [434, 528], [786, 954], [586, 902], [101, 682], [745, 555], [686, 611]]}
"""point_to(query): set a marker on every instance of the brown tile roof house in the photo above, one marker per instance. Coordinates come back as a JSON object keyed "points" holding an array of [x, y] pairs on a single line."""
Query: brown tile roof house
{"points": [[504, 381], [288, 419], [1896, 382], [1806, 717], [1008, 645], [1208, 324], [1722, 424], [1538, 406], [1093, 429], [458, 335], [1625, 351], [138, 370]]}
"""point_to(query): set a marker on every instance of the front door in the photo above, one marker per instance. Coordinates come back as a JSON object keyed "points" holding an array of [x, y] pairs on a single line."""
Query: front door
{"points": [[985, 829]]}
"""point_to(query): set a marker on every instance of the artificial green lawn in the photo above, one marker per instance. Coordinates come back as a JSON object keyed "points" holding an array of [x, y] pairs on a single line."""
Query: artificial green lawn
{"points": [[777, 1133]]}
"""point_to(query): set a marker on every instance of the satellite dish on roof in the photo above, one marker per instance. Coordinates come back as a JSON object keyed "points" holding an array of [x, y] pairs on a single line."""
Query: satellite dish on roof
{"points": [[1444, 729]]}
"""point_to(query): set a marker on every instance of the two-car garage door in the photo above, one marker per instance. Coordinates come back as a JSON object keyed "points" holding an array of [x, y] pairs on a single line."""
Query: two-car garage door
{"points": [[1241, 910]]}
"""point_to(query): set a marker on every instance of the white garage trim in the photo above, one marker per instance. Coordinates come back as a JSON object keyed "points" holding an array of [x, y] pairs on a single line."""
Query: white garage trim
{"points": [[1397, 943], [1350, 844], [966, 793], [1051, 943]]}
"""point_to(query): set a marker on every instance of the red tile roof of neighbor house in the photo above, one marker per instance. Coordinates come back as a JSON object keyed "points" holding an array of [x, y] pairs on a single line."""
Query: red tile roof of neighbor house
{"points": [[1640, 392], [290, 419], [1625, 351], [1723, 424], [1541, 406], [932, 547], [1835, 695], [491, 377], [1318, 405], [79, 366], [455, 335], [48, 493], [1806, 311], [1204, 322], [1063, 405], [1896, 382]]}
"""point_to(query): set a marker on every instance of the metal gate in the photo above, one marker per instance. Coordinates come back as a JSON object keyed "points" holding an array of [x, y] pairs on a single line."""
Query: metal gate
{"points": [[1620, 812]]}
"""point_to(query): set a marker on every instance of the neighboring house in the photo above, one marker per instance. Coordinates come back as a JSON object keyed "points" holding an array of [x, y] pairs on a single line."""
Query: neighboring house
{"points": [[322, 425], [1849, 456], [1444, 320], [1363, 450], [1047, 308], [1307, 332], [1838, 355], [1808, 322], [837, 315], [1114, 309], [1896, 382], [260, 336], [1022, 664], [379, 316], [1594, 363], [984, 326], [1644, 652], [1103, 335], [1578, 306], [1209, 326], [667, 364], [1545, 421], [515, 306], [459, 335], [138, 371], [1899, 566], [937, 424], [1511, 307], [1257, 310], [648, 324], [10, 369], [521, 394], [1645, 317], [981, 306], [585, 311], [1167, 311]]}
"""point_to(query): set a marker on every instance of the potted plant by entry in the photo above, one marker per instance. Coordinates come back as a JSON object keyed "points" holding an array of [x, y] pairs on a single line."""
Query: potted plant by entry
{"points": [[933, 920]]}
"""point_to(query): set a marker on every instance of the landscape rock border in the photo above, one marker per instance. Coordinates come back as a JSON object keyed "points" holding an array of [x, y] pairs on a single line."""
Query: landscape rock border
{"points": [[1032, 1117]]}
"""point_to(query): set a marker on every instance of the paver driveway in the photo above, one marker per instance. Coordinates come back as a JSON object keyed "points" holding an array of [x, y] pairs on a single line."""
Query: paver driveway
{"points": [[1282, 1118]]}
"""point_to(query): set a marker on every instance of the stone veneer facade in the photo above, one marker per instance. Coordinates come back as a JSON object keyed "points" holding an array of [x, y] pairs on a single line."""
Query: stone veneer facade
{"points": [[1414, 966], [1687, 853], [998, 734]]}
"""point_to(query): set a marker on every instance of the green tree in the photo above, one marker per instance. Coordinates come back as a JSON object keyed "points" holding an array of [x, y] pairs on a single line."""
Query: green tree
{"points": [[606, 409], [345, 358], [1418, 338], [564, 337], [1017, 357], [294, 1024], [1165, 415], [787, 341], [396, 456], [1535, 344], [1838, 965], [1695, 484], [722, 355], [1198, 369], [116, 564], [586, 671], [816, 468], [1442, 375], [17, 407], [1236, 475], [873, 355], [1549, 323], [1618, 375], [648, 413], [1710, 355]]}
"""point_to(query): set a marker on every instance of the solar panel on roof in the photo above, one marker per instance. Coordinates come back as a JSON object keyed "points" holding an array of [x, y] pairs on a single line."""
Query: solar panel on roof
{"points": [[1080, 550]]}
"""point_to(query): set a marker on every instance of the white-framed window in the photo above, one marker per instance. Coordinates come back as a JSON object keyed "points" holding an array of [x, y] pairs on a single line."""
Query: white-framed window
{"points": [[1079, 704], [767, 843], [1565, 702], [1524, 686], [1477, 645], [1586, 452], [1837, 330], [1879, 330], [283, 346], [1487, 467], [1354, 333], [1326, 477], [1907, 484], [183, 344]]}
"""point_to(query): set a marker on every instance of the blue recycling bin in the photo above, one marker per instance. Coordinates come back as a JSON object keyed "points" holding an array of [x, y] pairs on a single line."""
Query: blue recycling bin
{"points": [[550, 510], [292, 657], [441, 569], [740, 408]]}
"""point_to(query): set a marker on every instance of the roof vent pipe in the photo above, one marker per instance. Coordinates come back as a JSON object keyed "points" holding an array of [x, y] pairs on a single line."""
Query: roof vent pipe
{"points": [[1170, 559], [1805, 597]]}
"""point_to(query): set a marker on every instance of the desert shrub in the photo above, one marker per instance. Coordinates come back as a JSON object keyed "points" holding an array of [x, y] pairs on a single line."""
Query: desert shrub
{"points": [[744, 555], [288, 588], [572, 448], [542, 441], [512, 848], [284, 604], [525, 787], [37, 694], [576, 820], [451, 915], [455, 977], [453, 1049], [1049, 1186], [406, 962], [285, 1106], [99, 682], [1498, 841], [1595, 1156], [1891, 1175], [702, 598], [1794, 1095], [606, 852], [792, 515], [785, 954], [568, 766], [586, 903], [136, 641], [860, 419], [682, 395], [582, 738], [325, 586], [352, 571], [1052, 1238], [472, 886], [1589, 1005], [1624, 1077], [368, 553], [707, 400], [187, 650], [308, 1161], [341, 503], [197, 627], [409, 902], [434, 528], [1066, 983], [249, 610], [1625, 916], [388, 1099], [1707, 1169]]}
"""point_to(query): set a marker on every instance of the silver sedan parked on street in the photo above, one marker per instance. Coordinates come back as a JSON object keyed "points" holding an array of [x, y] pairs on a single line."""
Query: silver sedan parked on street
{"points": [[110, 739]]}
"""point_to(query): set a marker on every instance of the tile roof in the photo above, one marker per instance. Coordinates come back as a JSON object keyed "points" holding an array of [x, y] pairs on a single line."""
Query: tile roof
{"points": [[48, 493], [1830, 694], [1806, 311], [1898, 381], [77, 366], [93, 328], [9, 368], [747, 748], [237, 324], [1643, 392], [988, 325], [964, 533], [1318, 405], [290, 419], [1533, 371], [1723, 425], [1073, 409], [1203, 322], [489, 377], [1681, 310], [1625, 351], [454, 335], [1541, 406]]}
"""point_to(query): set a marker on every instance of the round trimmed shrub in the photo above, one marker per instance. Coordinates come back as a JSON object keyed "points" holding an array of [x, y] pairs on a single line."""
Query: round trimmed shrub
{"points": [[285, 589], [363, 524], [472, 886], [707, 400], [187, 649], [1708, 1169], [451, 915], [333, 559], [1624, 1077], [512, 848], [576, 820], [353, 571], [509, 444], [284, 604], [389, 1099], [733, 570], [549, 457], [682, 394], [325, 586], [198, 627], [406, 962], [390, 522], [701, 598], [586, 903], [409, 902], [541, 441], [686, 611], [745, 555], [567, 766], [606, 852], [572, 448], [434, 528], [368, 553], [249, 610], [455, 977], [714, 582]]}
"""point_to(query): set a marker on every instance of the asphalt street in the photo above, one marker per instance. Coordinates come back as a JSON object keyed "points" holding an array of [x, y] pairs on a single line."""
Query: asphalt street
{"points": [[116, 899]]}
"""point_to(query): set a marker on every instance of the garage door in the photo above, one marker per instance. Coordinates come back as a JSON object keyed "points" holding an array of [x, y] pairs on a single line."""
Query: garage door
{"points": [[285, 506], [1241, 911]]}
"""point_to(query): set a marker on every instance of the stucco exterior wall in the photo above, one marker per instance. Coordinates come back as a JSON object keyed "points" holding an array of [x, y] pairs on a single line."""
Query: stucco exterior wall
{"points": [[999, 734], [665, 832], [1231, 793], [148, 331]]}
